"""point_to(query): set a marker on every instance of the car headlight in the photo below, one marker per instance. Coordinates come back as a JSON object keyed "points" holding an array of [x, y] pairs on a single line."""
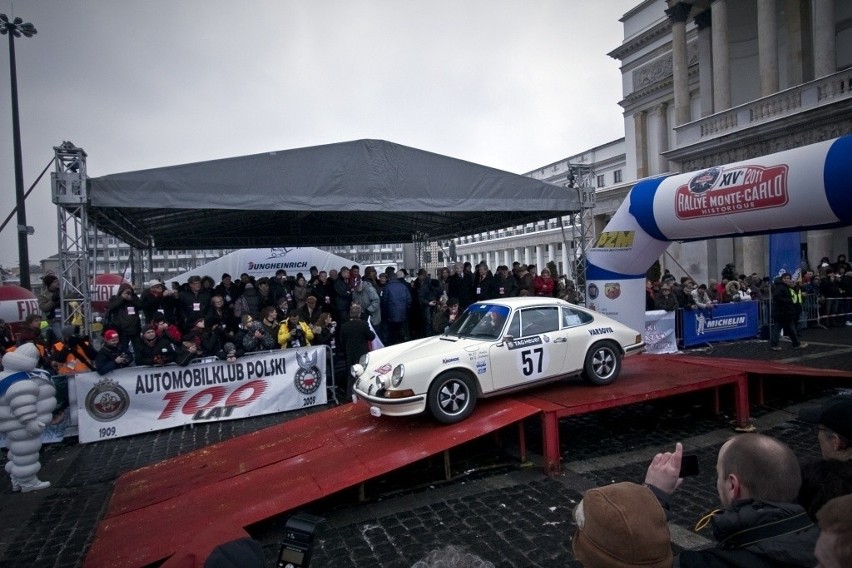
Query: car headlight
{"points": [[364, 361], [398, 374]]}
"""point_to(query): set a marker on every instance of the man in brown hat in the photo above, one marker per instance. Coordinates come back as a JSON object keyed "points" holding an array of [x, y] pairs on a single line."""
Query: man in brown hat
{"points": [[621, 525]]}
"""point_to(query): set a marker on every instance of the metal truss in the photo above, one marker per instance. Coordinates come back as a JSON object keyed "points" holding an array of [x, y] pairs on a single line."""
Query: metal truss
{"points": [[581, 178], [70, 194]]}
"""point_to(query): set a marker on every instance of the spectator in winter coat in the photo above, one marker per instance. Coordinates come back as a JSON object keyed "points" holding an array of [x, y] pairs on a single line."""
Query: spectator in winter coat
{"points": [[123, 311], [112, 355], [759, 523], [366, 296], [395, 302], [543, 285]]}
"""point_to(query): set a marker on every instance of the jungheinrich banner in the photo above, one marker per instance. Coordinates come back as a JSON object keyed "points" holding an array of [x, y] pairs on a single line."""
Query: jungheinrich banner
{"points": [[144, 399]]}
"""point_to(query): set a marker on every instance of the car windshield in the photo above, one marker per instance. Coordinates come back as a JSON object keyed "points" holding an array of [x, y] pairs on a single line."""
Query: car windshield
{"points": [[482, 321]]}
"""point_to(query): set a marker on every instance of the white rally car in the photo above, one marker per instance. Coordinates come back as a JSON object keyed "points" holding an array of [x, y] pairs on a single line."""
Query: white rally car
{"points": [[495, 347]]}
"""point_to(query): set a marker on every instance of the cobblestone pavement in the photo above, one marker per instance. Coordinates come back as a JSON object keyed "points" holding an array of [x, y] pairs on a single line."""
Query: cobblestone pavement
{"points": [[496, 507]]}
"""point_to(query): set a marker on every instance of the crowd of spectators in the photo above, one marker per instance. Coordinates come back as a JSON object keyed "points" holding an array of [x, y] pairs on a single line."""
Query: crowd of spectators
{"points": [[201, 318], [826, 290]]}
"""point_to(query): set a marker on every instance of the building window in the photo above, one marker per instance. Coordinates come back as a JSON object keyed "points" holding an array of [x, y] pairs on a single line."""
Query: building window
{"points": [[427, 256], [440, 257], [600, 180], [616, 176]]}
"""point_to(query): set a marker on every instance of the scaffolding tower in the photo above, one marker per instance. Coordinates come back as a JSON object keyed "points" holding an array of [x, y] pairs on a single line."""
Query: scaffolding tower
{"points": [[70, 194]]}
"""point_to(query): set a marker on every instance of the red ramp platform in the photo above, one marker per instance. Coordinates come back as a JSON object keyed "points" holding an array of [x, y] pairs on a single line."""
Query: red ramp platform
{"points": [[647, 377], [208, 496], [222, 488]]}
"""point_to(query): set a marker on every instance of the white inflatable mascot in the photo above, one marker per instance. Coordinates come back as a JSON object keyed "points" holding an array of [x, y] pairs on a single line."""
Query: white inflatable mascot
{"points": [[27, 400]]}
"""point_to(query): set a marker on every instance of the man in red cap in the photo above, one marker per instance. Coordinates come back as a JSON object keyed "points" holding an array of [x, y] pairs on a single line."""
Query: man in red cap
{"points": [[112, 355]]}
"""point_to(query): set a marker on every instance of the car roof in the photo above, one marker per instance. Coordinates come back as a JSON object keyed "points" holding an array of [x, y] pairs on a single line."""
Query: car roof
{"points": [[526, 301]]}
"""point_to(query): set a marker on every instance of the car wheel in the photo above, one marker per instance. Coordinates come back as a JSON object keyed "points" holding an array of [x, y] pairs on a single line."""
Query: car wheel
{"points": [[452, 397], [603, 363]]}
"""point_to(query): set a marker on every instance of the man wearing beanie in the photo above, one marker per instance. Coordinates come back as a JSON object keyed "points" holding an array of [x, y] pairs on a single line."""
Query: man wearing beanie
{"points": [[759, 523], [27, 400], [621, 525]]}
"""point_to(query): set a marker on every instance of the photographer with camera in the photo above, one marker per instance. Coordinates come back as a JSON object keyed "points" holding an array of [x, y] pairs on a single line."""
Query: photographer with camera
{"points": [[759, 522], [294, 333], [112, 355]]}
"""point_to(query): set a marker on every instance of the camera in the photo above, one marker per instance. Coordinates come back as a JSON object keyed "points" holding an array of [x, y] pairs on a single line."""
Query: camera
{"points": [[297, 544]]}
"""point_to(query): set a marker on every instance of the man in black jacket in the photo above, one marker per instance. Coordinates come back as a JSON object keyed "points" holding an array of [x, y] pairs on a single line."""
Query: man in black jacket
{"points": [[786, 306], [759, 524], [355, 337]]}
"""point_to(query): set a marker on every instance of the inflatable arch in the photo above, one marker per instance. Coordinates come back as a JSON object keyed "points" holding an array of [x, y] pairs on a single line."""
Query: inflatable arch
{"points": [[805, 188]]}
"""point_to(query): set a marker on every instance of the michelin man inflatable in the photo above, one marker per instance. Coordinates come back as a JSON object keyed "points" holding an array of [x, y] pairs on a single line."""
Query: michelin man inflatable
{"points": [[27, 400]]}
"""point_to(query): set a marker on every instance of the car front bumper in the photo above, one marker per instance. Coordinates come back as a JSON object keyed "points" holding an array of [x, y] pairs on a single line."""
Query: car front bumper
{"points": [[381, 405]]}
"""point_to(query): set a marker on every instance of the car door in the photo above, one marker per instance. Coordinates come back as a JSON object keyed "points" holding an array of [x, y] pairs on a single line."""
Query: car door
{"points": [[575, 326], [536, 351]]}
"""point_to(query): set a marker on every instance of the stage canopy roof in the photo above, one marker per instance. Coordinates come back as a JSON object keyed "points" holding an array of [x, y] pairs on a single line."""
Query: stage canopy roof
{"points": [[360, 192]]}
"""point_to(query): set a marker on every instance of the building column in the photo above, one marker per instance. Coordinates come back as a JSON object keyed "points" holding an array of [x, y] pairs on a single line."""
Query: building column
{"points": [[705, 62], [754, 255], [640, 126], [795, 60], [721, 56], [678, 15], [528, 255], [662, 164], [539, 258], [566, 261], [767, 46], [819, 245], [825, 62], [516, 255]]}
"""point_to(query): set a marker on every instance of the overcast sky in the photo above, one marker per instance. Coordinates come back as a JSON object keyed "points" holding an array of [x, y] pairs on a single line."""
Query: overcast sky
{"points": [[511, 84]]}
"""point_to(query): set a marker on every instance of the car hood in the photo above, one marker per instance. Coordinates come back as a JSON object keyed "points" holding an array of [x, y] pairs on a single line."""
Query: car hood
{"points": [[435, 346]]}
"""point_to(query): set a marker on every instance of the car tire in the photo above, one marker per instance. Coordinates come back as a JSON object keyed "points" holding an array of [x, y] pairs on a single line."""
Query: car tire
{"points": [[603, 363], [452, 397]]}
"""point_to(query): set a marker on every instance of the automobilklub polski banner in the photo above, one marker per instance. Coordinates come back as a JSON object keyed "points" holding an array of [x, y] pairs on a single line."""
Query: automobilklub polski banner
{"points": [[144, 399]]}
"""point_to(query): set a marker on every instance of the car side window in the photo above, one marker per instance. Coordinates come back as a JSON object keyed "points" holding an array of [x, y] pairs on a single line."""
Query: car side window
{"points": [[539, 320], [573, 318], [515, 327]]}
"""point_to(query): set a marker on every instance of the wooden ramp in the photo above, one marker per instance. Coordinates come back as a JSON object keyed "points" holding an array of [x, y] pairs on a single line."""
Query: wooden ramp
{"points": [[218, 490]]}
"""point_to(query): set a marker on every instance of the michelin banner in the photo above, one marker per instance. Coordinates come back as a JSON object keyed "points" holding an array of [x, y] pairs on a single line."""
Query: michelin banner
{"points": [[144, 399], [723, 322]]}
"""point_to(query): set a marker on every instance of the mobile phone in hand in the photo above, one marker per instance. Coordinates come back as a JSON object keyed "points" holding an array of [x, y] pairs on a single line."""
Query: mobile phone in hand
{"points": [[689, 465]]}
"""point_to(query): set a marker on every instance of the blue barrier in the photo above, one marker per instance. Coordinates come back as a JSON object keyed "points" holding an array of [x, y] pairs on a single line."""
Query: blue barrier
{"points": [[722, 322]]}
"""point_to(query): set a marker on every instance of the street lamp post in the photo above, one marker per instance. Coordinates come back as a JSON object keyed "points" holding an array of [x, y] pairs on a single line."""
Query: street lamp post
{"points": [[16, 28]]}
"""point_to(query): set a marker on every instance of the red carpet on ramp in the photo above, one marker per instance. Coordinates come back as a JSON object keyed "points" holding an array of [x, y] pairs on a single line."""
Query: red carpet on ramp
{"points": [[157, 509]]}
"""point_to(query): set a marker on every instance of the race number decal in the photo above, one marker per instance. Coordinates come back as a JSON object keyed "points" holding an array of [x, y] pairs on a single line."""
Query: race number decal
{"points": [[534, 361]]}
